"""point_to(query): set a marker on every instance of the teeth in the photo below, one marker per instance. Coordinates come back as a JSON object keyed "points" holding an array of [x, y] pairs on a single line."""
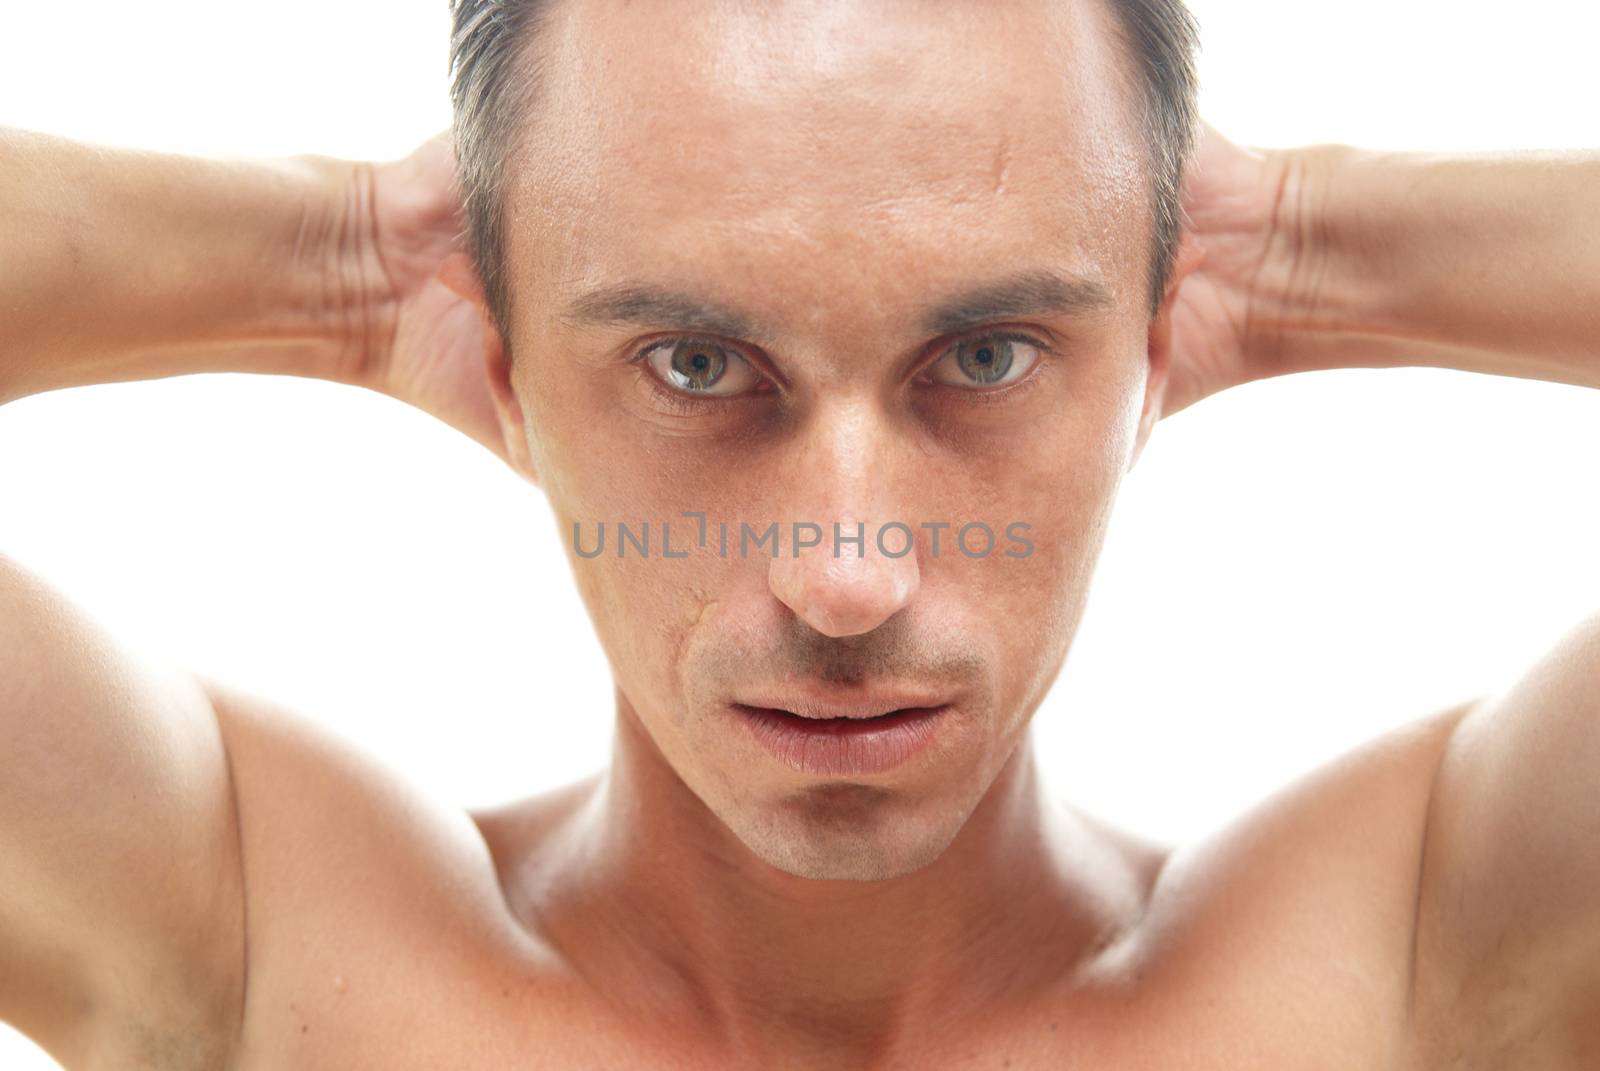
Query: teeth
{"points": [[842, 717], [818, 716]]}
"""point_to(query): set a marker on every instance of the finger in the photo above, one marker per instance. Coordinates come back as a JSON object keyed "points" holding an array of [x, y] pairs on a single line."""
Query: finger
{"points": [[456, 271]]}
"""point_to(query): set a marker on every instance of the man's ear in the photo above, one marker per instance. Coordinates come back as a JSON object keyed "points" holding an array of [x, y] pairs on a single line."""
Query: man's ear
{"points": [[1159, 346], [458, 273]]}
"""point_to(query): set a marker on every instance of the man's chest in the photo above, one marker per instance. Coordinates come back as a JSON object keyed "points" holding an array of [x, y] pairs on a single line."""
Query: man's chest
{"points": [[410, 1007], [1234, 969], [495, 1036], [402, 1016]]}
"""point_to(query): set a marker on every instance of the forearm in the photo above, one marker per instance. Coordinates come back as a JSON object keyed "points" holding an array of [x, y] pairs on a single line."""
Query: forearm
{"points": [[1486, 262], [118, 264]]}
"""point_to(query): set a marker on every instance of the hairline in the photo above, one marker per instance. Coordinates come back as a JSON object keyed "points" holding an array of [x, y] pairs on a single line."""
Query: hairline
{"points": [[1148, 114]]}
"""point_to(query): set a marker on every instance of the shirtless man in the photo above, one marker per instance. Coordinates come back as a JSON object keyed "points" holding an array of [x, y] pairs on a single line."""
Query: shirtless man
{"points": [[821, 262]]}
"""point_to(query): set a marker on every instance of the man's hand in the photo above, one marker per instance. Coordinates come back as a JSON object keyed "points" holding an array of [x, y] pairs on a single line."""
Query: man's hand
{"points": [[422, 342], [1333, 256], [1242, 207]]}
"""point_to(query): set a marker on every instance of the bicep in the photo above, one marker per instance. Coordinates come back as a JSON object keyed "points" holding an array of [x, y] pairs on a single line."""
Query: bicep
{"points": [[1509, 918], [121, 889]]}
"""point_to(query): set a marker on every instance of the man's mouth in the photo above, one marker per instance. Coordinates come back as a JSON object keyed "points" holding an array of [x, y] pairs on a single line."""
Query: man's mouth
{"points": [[822, 706], [843, 721], [824, 743]]}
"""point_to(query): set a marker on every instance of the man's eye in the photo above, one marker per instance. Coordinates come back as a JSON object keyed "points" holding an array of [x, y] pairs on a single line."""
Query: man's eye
{"points": [[989, 361], [699, 366]]}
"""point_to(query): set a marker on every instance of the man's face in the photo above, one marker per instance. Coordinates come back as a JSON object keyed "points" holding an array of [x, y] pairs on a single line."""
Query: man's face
{"points": [[838, 183]]}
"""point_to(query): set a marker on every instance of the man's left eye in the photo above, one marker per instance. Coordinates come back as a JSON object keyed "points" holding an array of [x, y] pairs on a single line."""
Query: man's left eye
{"points": [[989, 361]]}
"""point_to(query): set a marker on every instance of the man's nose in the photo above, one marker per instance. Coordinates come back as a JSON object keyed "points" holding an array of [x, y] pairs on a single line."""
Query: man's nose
{"points": [[851, 593], [863, 568]]}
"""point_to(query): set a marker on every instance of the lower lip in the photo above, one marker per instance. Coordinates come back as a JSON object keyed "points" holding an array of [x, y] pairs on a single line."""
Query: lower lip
{"points": [[842, 747]]}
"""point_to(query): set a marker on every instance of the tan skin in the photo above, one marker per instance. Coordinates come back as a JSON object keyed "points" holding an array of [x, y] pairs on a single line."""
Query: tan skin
{"points": [[169, 904]]}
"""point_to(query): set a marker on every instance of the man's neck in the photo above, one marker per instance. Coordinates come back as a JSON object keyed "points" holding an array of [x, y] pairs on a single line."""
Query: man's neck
{"points": [[667, 912]]}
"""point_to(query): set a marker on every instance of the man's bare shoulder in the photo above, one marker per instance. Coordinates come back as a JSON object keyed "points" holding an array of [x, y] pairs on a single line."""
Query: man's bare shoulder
{"points": [[1352, 819], [369, 902], [313, 806], [1300, 912]]}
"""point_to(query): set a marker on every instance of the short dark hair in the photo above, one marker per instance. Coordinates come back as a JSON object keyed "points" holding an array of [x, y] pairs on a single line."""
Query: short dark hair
{"points": [[494, 75]]}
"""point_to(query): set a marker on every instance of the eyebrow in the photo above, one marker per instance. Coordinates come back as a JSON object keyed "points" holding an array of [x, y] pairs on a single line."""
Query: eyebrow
{"points": [[645, 304], [1028, 293]]}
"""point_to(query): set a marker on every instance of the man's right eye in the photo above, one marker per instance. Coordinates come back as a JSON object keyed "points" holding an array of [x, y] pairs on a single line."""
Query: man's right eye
{"points": [[700, 366]]}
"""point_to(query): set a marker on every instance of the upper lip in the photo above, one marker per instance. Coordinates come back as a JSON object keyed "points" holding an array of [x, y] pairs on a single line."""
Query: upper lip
{"points": [[813, 702]]}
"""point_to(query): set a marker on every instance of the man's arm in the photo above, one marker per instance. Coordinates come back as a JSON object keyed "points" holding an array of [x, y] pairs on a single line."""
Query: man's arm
{"points": [[1508, 926], [122, 937], [121, 885], [119, 264], [1488, 264], [1485, 263]]}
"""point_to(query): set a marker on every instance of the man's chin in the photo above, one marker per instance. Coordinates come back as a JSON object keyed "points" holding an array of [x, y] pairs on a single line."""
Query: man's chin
{"points": [[847, 832]]}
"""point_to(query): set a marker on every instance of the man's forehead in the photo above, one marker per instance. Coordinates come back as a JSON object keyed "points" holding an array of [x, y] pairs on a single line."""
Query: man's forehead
{"points": [[914, 84], [830, 135]]}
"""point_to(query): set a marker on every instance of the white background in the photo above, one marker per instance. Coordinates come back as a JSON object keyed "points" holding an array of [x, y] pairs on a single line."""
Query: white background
{"points": [[1295, 566]]}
